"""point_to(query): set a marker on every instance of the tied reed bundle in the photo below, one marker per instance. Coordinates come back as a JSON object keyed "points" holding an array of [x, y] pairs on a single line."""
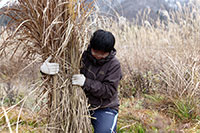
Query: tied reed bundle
{"points": [[57, 28]]}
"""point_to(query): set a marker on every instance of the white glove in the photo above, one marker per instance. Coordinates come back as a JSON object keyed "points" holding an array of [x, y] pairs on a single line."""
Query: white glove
{"points": [[49, 68], [78, 79]]}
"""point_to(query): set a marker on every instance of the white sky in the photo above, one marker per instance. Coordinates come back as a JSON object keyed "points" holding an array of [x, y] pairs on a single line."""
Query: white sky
{"points": [[6, 3]]}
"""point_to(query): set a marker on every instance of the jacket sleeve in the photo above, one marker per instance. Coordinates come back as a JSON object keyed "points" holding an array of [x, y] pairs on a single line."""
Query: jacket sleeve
{"points": [[108, 87]]}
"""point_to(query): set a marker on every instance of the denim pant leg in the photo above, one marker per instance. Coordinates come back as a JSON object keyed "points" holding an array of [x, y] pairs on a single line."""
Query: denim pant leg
{"points": [[105, 120]]}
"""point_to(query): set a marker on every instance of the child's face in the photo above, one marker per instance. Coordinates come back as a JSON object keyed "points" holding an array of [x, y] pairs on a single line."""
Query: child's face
{"points": [[98, 54]]}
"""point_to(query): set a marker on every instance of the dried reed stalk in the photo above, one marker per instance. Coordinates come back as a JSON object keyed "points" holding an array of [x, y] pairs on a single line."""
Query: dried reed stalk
{"points": [[57, 28]]}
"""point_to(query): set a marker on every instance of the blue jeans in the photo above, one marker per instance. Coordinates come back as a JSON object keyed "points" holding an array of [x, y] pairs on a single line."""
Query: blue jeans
{"points": [[104, 120]]}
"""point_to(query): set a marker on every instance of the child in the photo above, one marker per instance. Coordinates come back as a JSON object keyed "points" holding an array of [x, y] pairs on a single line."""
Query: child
{"points": [[99, 78]]}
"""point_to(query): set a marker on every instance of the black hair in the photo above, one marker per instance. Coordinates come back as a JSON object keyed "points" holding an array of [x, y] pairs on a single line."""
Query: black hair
{"points": [[102, 40]]}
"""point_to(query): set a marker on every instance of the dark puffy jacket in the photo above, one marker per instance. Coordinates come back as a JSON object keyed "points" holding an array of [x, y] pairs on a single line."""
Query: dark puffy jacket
{"points": [[102, 79]]}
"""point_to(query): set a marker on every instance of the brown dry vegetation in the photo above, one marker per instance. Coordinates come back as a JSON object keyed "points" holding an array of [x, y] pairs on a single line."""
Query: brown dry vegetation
{"points": [[160, 88], [56, 28]]}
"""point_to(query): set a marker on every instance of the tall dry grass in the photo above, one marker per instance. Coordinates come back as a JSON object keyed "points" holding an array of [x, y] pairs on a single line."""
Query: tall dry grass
{"points": [[163, 60], [57, 28], [168, 54]]}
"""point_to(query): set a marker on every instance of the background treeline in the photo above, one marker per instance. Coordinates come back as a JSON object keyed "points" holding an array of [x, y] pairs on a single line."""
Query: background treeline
{"points": [[126, 8]]}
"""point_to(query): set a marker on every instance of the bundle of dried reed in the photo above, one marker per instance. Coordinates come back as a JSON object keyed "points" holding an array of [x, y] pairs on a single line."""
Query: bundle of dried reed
{"points": [[57, 28]]}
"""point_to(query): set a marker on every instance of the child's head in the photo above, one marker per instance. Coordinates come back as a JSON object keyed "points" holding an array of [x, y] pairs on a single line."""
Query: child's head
{"points": [[102, 41]]}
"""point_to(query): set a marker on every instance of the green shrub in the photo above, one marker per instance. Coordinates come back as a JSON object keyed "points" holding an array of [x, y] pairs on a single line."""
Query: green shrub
{"points": [[185, 110]]}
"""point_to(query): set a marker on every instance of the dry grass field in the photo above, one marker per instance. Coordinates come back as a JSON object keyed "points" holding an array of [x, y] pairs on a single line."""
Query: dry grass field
{"points": [[159, 92]]}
